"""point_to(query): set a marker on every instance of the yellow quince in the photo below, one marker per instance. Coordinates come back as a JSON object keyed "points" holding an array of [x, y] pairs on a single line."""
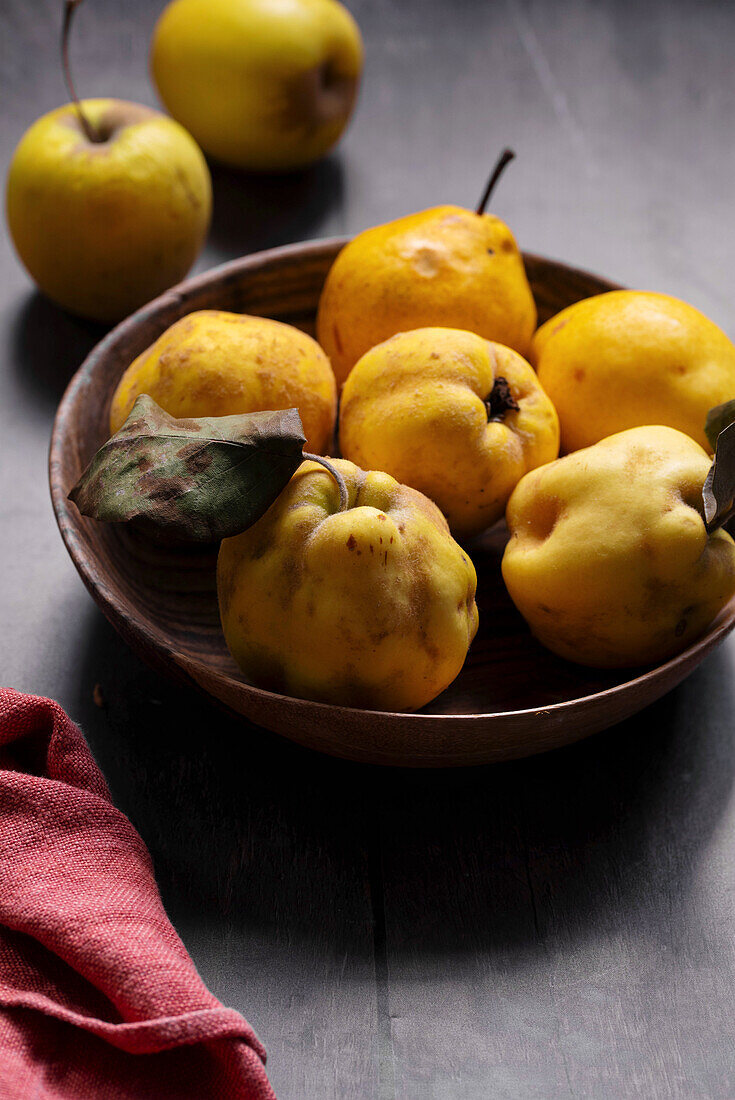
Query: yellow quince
{"points": [[367, 605], [609, 560], [213, 363], [629, 358], [457, 417]]}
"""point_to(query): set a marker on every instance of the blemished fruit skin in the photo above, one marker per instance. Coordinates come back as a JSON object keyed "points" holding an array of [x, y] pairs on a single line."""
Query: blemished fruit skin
{"points": [[370, 607], [443, 267], [629, 358], [415, 406], [609, 560], [262, 85], [213, 363], [103, 227]]}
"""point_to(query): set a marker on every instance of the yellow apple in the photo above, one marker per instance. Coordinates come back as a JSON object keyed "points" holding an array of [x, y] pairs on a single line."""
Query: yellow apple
{"points": [[261, 84], [103, 226]]}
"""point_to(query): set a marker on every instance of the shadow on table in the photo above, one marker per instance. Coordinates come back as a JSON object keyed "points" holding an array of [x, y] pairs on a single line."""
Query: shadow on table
{"points": [[49, 345], [241, 822], [589, 838], [252, 212]]}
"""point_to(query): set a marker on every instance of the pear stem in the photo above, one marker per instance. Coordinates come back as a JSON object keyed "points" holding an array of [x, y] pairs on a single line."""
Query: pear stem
{"points": [[69, 9], [344, 499], [503, 160]]}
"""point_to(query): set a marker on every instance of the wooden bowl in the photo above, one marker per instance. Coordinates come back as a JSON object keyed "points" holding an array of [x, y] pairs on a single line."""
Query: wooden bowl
{"points": [[512, 698]]}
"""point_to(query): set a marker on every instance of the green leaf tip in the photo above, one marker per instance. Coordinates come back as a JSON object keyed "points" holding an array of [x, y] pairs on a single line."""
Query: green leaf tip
{"points": [[717, 420], [718, 493], [193, 479]]}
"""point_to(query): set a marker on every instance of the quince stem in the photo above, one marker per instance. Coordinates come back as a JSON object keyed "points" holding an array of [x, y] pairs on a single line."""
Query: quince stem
{"points": [[344, 499], [503, 160], [500, 400], [69, 9]]}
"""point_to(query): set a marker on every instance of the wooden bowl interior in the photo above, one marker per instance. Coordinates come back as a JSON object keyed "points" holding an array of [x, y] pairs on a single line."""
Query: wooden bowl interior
{"points": [[164, 603]]}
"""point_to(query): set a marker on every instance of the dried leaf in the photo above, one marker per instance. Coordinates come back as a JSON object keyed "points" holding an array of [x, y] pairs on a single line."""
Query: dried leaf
{"points": [[717, 420], [199, 480], [718, 493]]}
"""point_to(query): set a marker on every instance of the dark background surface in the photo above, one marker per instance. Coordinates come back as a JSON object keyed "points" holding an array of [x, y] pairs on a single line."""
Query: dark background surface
{"points": [[558, 927]]}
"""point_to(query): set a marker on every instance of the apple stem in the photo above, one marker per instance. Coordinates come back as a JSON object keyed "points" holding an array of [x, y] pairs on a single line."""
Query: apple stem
{"points": [[344, 499], [503, 160], [69, 9]]}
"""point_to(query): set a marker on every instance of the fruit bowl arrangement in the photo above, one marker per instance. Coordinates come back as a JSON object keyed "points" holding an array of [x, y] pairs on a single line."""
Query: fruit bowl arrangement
{"points": [[511, 698]]}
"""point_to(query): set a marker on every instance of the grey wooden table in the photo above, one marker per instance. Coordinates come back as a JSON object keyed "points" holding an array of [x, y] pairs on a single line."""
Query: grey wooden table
{"points": [[559, 927]]}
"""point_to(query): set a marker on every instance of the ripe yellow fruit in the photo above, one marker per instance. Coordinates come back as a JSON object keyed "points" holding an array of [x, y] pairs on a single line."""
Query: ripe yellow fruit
{"points": [[628, 358], [372, 607], [609, 560], [105, 226], [446, 266], [261, 85], [435, 408], [212, 363]]}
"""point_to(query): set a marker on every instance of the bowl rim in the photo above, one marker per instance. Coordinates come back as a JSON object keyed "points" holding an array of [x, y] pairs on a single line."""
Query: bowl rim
{"points": [[133, 629]]}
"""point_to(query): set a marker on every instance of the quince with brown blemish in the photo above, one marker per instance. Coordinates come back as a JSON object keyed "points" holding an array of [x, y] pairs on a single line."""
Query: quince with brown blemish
{"points": [[367, 605], [213, 363]]}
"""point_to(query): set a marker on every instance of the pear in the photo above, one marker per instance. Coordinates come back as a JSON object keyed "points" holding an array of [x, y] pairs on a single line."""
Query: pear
{"points": [[447, 267]]}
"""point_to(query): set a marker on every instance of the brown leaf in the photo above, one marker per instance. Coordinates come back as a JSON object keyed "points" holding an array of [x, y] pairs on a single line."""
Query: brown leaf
{"points": [[197, 479], [717, 420], [718, 493]]}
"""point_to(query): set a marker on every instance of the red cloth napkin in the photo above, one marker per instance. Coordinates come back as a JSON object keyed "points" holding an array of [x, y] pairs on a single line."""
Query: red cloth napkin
{"points": [[99, 999]]}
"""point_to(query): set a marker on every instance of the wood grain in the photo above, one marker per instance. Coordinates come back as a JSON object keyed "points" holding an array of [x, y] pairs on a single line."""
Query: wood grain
{"points": [[512, 698], [557, 927]]}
